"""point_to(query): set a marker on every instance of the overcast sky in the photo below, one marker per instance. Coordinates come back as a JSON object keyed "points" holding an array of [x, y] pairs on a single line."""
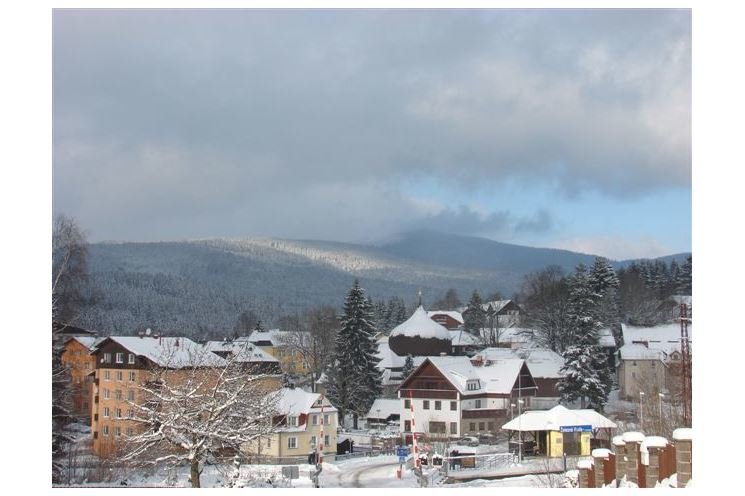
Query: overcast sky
{"points": [[559, 128]]}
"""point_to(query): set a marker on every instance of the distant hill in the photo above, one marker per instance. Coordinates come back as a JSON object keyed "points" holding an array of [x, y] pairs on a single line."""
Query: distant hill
{"points": [[200, 287]]}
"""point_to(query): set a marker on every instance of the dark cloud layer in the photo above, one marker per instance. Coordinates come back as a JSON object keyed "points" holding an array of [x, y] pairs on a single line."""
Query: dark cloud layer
{"points": [[171, 124]]}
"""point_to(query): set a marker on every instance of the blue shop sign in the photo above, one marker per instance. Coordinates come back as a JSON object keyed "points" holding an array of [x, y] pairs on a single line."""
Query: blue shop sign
{"points": [[575, 428]]}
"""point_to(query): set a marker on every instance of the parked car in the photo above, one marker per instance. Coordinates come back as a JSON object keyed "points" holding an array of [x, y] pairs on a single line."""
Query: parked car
{"points": [[469, 441], [490, 440]]}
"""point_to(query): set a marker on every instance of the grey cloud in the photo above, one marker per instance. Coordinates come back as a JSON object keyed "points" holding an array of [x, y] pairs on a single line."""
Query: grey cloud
{"points": [[185, 118], [503, 223]]}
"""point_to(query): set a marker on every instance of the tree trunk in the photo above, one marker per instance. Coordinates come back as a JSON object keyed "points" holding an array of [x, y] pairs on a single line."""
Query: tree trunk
{"points": [[354, 418], [195, 473]]}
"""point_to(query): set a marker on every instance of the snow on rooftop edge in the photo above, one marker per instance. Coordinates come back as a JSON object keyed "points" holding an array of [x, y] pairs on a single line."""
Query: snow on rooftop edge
{"points": [[601, 453], [653, 442], [618, 441], [683, 434]]}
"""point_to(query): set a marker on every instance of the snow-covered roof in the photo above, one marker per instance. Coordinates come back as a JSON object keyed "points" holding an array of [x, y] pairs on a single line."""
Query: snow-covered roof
{"points": [[618, 441], [498, 377], [496, 305], [640, 352], [664, 337], [542, 362], [243, 350], [275, 336], [386, 406], [295, 401], [555, 418], [420, 325], [683, 434], [606, 339], [171, 352], [388, 359], [450, 313], [463, 338], [89, 342], [514, 335]]}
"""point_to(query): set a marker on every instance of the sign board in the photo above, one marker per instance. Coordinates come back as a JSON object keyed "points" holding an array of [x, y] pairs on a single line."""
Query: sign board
{"points": [[575, 428], [402, 459], [402, 451], [291, 472]]}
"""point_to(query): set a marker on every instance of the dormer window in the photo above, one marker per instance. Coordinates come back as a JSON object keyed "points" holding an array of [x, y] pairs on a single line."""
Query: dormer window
{"points": [[120, 358], [472, 385], [292, 421]]}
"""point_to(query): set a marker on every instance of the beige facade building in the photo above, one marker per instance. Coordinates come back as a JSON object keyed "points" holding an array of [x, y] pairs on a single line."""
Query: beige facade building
{"points": [[640, 369], [300, 418]]}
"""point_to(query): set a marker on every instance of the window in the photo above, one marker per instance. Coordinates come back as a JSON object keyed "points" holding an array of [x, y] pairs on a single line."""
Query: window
{"points": [[472, 385], [438, 405], [454, 405], [130, 431], [119, 375], [314, 420], [107, 358], [327, 419], [407, 425], [131, 359], [120, 358], [129, 413], [477, 403], [490, 426], [106, 375], [481, 426], [326, 440], [105, 430], [633, 363], [118, 413], [472, 426], [407, 404], [131, 395], [106, 411], [425, 406], [312, 441], [453, 427], [268, 442], [131, 377], [118, 431], [106, 394], [292, 421], [119, 394], [292, 442]]}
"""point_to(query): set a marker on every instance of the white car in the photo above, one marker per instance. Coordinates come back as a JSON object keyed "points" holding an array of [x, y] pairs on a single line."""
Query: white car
{"points": [[469, 441]]}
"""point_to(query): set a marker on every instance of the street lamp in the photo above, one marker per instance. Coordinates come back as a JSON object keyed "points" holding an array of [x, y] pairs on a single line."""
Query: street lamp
{"points": [[661, 395], [520, 432], [641, 409], [512, 415]]}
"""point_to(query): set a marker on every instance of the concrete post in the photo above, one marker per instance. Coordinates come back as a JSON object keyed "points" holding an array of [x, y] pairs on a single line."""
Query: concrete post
{"points": [[633, 441], [619, 448], [586, 476], [600, 457], [683, 440]]}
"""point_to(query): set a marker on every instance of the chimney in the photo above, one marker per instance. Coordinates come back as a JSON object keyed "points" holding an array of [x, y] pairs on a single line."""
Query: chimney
{"points": [[442, 353], [141, 334], [478, 361]]}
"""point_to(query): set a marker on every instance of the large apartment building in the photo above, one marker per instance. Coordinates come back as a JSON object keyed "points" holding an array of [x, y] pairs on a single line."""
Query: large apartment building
{"points": [[77, 357], [122, 365]]}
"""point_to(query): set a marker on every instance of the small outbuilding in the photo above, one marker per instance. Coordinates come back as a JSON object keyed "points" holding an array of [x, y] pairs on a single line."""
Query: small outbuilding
{"points": [[561, 431]]}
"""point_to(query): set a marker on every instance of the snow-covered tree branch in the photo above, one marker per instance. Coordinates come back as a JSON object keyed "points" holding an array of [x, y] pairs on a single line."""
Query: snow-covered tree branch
{"points": [[198, 406]]}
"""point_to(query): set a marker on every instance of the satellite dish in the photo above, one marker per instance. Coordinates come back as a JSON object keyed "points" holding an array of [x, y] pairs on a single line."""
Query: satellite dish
{"points": [[148, 331]]}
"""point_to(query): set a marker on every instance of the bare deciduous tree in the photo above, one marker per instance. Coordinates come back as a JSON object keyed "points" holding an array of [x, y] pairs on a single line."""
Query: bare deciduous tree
{"points": [[313, 339], [199, 407]]}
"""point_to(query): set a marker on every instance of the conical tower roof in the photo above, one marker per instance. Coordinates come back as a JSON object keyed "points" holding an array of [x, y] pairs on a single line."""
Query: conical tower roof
{"points": [[420, 325]]}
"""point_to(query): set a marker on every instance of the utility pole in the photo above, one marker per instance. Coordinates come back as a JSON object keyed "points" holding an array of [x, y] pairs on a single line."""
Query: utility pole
{"points": [[319, 452], [641, 410], [685, 352]]}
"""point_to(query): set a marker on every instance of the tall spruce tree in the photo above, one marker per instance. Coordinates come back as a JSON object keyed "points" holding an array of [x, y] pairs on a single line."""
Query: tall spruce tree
{"points": [[474, 316], [354, 378], [604, 283], [684, 279], [408, 367], [586, 374]]}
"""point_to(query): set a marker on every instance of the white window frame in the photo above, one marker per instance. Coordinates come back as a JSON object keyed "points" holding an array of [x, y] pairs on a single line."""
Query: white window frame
{"points": [[107, 358], [119, 375], [131, 359], [117, 431], [105, 430], [130, 395], [313, 441], [119, 357], [292, 421], [118, 413], [292, 440], [106, 375], [314, 419], [106, 411], [326, 440], [326, 419], [119, 395], [132, 376], [477, 403], [106, 394]]}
